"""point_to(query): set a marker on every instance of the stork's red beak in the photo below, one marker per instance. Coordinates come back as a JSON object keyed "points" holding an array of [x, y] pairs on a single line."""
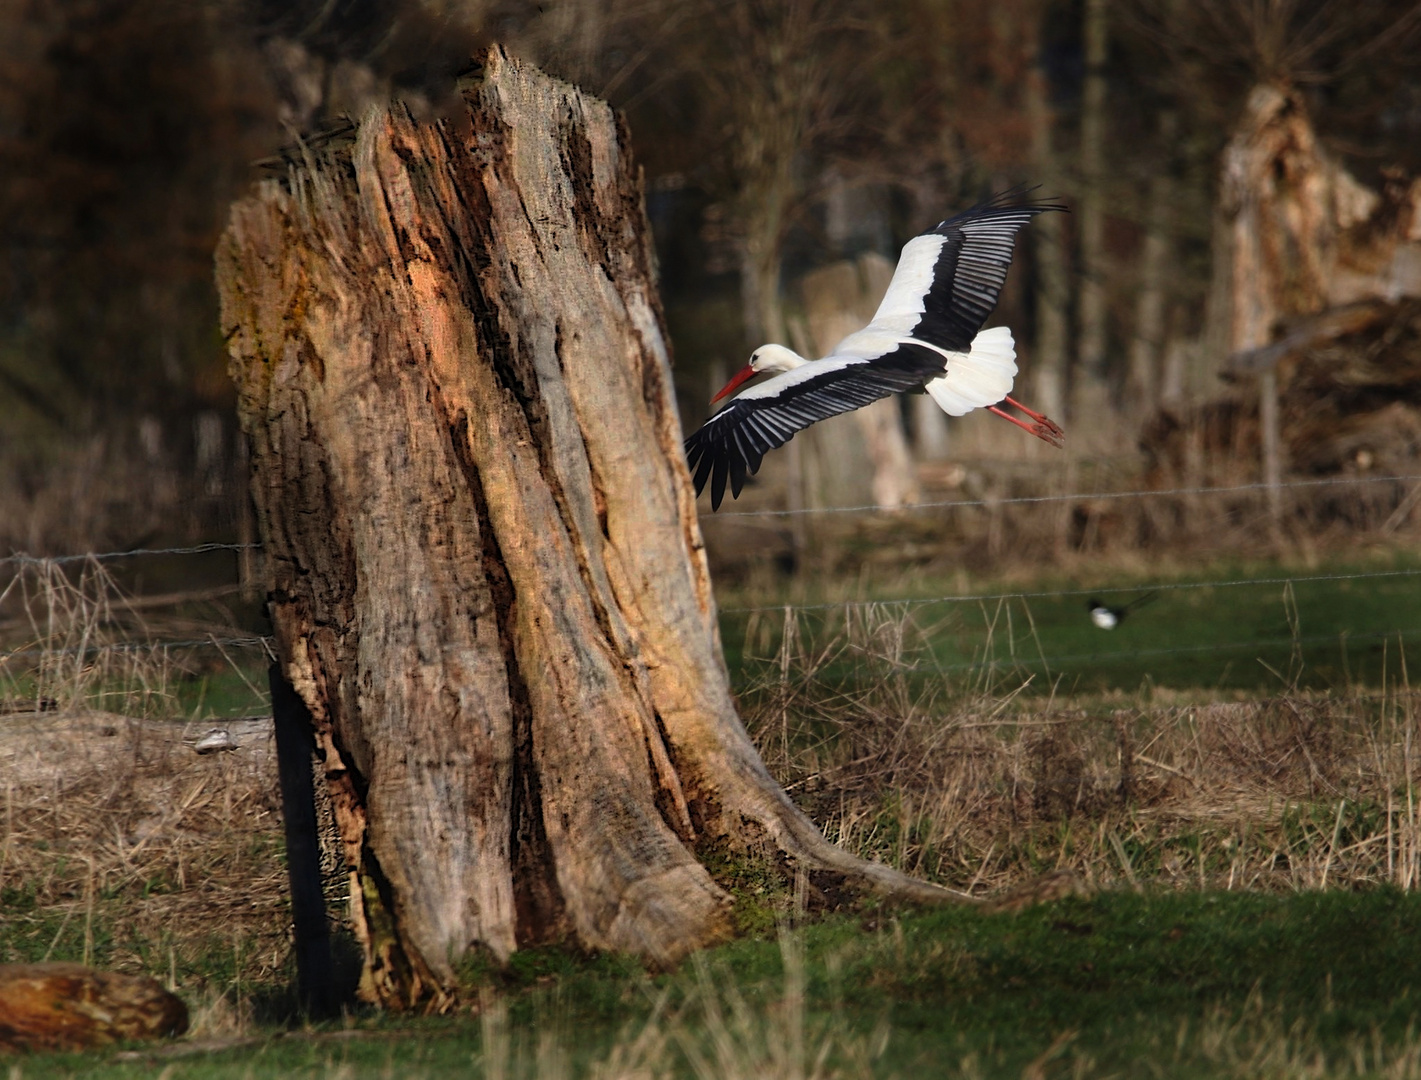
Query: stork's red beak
{"points": [[742, 376], [1044, 429]]}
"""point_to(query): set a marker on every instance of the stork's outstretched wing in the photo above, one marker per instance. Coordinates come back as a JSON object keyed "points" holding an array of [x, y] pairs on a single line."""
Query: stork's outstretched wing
{"points": [[948, 279], [731, 443]]}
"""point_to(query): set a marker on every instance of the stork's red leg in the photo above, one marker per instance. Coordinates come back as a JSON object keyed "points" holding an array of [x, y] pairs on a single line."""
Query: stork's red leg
{"points": [[1044, 429]]}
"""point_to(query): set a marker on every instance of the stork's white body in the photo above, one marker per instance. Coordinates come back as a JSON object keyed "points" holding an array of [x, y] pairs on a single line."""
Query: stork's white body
{"points": [[975, 379]]}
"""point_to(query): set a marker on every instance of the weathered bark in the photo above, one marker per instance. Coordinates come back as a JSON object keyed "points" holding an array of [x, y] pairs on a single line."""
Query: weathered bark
{"points": [[485, 570], [840, 299]]}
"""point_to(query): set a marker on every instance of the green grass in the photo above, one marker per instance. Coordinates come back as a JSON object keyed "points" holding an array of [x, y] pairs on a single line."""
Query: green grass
{"points": [[211, 691], [224, 691], [1173, 985], [1257, 638]]}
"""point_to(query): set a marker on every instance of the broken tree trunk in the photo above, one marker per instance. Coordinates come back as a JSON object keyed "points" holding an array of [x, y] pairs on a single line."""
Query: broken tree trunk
{"points": [[485, 570], [1297, 234], [840, 299]]}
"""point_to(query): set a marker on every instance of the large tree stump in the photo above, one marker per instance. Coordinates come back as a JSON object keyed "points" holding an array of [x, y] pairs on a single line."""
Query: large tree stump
{"points": [[485, 569]]}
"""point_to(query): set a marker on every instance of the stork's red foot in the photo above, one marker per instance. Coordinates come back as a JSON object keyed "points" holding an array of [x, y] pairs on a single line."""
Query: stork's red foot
{"points": [[1045, 429]]}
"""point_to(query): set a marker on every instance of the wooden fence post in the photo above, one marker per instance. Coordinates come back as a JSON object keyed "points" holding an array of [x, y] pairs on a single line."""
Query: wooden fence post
{"points": [[1272, 448], [295, 750]]}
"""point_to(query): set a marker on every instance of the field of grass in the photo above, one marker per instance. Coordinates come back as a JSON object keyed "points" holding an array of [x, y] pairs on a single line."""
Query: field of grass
{"points": [[1121, 984], [1333, 627], [1232, 772], [1264, 628], [1298, 628]]}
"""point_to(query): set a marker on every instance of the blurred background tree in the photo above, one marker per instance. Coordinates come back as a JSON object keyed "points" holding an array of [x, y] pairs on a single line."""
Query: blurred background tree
{"points": [[778, 136]]}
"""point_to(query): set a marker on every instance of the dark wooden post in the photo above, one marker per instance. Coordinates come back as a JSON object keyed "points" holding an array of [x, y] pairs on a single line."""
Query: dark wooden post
{"points": [[295, 752]]}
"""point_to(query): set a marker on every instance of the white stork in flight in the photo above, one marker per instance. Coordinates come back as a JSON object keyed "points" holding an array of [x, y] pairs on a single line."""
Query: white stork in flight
{"points": [[926, 335]]}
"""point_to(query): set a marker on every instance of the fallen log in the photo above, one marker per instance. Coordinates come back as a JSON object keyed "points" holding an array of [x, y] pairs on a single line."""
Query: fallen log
{"points": [[72, 1007], [1307, 333]]}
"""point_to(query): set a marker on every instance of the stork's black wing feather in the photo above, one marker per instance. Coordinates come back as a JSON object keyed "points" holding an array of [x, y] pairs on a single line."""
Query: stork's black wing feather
{"points": [[732, 443], [948, 279]]}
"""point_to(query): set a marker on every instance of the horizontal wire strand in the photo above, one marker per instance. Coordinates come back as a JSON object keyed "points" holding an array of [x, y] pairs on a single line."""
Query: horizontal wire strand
{"points": [[1049, 661], [201, 549], [139, 646], [847, 604], [102, 556], [1074, 497], [1014, 661]]}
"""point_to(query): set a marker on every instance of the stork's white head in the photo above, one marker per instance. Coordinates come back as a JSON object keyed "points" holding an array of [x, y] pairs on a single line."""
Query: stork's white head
{"points": [[775, 358], [767, 358]]}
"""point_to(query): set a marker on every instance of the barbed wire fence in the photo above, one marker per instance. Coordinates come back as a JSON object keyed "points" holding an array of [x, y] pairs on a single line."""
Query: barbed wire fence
{"points": [[1094, 496], [1410, 501], [18, 562], [108, 556]]}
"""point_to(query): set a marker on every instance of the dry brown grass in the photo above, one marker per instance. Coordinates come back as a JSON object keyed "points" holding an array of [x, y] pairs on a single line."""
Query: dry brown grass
{"points": [[71, 638], [121, 845], [118, 842], [981, 789]]}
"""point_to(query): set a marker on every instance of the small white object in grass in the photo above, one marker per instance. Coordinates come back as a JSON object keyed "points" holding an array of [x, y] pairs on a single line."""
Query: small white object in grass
{"points": [[1103, 617], [1108, 618], [216, 740]]}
